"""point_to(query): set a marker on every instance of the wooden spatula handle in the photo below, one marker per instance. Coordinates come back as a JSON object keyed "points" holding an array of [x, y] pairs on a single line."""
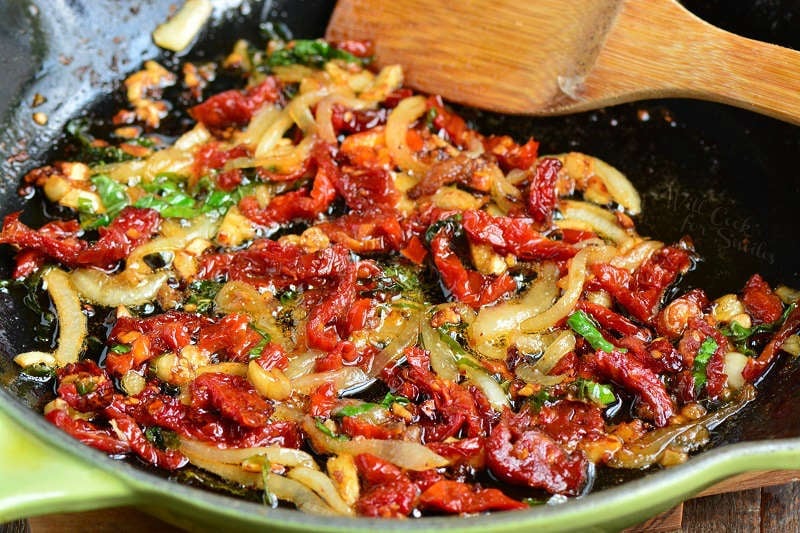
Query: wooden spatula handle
{"points": [[659, 49]]}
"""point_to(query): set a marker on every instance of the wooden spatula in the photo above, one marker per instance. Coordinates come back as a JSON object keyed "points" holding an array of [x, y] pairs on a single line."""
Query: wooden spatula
{"points": [[545, 57]]}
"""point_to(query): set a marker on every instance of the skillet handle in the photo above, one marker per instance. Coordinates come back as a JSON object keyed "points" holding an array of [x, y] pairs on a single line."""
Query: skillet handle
{"points": [[36, 478]]}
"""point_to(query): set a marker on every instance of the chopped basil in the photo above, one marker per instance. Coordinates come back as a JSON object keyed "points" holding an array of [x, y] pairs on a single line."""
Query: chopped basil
{"points": [[594, 392], [740, 335], [256, 350], [582, 324], [358, 409], [451, 224], [85, 386], [90, 153], [202, 294], [704, 354], [308, 52], [120, 348], [327, 431], [162, 438]]}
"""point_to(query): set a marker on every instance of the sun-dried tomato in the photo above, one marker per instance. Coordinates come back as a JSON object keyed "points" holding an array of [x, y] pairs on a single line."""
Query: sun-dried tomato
{"points": [[365, 233], [85, 386], [272, 356], [302, 203], [102, 439], [127, 426], [355, 426], [511, 155], [759, 300], [350, 121], [322, 400], [527, 456], [612, 321], [637, 378], [366, 189], [641, 293], [468, 286], [453, 125], [389, 492], [570, 422], [131, 228], [233, 396], [232, 336], [469, 451], [457, 497], [235, 108], [755, 368], [542, 195], [168, 332], [515, 236]]}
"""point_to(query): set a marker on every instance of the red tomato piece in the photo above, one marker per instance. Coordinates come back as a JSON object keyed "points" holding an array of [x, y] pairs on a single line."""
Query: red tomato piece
{"points": [[458, 497], [515, 236], [529, 457], [760, 301], [542, 196], [235, 108], [232, 396]]}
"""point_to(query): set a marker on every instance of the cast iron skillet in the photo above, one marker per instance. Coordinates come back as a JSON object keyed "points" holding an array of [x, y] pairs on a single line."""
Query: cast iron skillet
{"points": [[725, 176]]}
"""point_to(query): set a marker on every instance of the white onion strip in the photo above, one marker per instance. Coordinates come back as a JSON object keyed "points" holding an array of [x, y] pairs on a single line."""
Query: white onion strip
{"points": [[561, 346], [111, 291], [601, 221], [274, 454], [397, 125], [574, 287], [323, 486], [501, 321], [408, 455], [71, 320]]}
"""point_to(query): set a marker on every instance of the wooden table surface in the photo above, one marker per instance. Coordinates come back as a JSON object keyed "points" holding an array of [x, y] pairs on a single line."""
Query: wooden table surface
{"points": [[767, 509]]}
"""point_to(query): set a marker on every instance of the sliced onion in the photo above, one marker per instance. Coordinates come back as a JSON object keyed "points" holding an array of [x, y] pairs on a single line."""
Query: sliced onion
{"points": [[647, 450], [561, 346], [505, 194], [177, 159], [132, 383], [174, 238], [491, 332], [575, 280], [302, 364], [304, 498], [323, 486], [284, 158], [734, 365], [112, 291], [408, 455], [397, 125], [274, 454], [638, 254], [231, 472], [71, 320], [494, 393], [27, 359], [581, 167], [344, 378], [600, 220], [258, 126], [406, 336], [272, 384], [443, 362], [527, 373]]}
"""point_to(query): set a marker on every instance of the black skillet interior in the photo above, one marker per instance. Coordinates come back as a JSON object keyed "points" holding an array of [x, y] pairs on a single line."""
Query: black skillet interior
{"points": [[724, 176]]}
